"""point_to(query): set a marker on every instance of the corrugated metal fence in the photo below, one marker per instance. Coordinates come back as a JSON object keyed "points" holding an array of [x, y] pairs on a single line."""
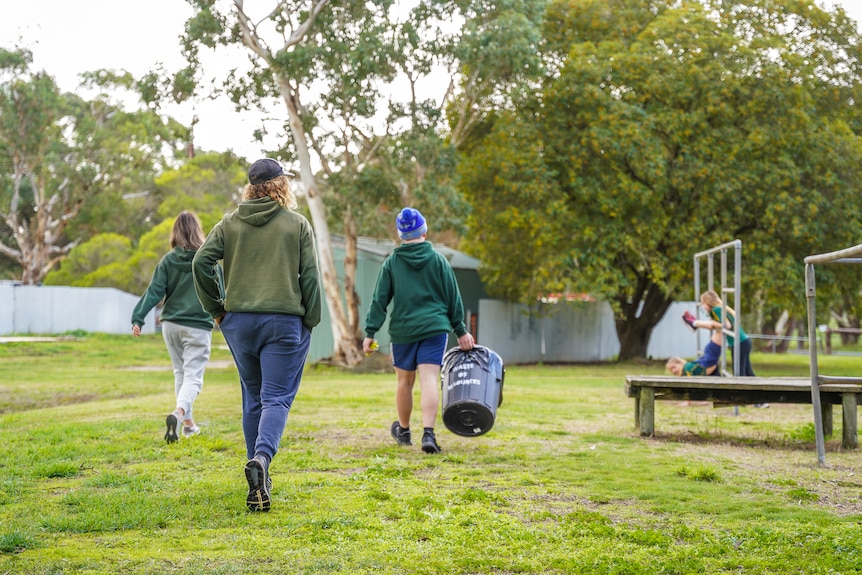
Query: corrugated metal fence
{"points": [[577, 332]]}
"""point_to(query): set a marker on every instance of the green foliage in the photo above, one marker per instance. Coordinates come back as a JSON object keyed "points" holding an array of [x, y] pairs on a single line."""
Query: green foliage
{"points": [[802, 495], [366, 147], [158, 239], [357, 55], [804, 433], [17, 542], [58, 469], [135, 146], [209, 185], [665, 129], [498, 49], [109, 260], [511, 192], [117, 275], [101, 250]]}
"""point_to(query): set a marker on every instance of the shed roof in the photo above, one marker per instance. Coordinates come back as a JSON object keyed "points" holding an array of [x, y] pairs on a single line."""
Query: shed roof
{"points": [[458, 260]]}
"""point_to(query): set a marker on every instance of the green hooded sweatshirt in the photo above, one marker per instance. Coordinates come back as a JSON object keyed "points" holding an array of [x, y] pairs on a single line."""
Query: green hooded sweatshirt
{"points": [[172, 280], [270, 263], [423, 290]]}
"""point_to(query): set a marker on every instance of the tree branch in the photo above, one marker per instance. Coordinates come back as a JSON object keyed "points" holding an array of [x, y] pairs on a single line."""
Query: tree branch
{"points": [[7, 251], [300, 32], [249, 33]]}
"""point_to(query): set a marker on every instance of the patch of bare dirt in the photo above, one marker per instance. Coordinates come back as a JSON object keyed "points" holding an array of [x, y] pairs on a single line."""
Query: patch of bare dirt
{"points": [[788, 470], [222, 364]]}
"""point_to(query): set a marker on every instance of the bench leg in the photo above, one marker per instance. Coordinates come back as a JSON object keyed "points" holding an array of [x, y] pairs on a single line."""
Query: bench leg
{"points": [[826, 414], [848, 405], [638, 410], [646, 411]]}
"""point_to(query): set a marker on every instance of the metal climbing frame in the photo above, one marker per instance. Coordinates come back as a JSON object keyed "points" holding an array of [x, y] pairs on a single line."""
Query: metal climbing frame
{"points": [[724, 290], [846, 256]]}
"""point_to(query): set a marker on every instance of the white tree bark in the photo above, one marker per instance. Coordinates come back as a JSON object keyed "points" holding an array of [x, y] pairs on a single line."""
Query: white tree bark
{"points": [[346, 345]]}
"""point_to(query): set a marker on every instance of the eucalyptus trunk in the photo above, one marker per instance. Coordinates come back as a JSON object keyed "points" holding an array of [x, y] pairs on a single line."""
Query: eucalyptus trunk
{"points": [[639, 316], [346, 349]]}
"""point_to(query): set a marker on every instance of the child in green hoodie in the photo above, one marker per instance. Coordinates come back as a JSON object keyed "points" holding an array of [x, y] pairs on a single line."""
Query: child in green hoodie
{"points": [[186, 327], [426, 304]]}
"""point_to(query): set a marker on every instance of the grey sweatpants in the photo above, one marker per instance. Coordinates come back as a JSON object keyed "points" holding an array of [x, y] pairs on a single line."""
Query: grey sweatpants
{"points": [[189, 348]]}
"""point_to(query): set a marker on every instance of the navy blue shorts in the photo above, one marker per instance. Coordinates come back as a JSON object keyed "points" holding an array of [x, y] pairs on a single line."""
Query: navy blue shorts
{"points": [[407, 356]]}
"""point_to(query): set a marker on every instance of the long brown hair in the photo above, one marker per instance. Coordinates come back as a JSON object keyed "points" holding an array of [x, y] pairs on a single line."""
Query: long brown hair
{"points": [[187, 233], [277, 189]]}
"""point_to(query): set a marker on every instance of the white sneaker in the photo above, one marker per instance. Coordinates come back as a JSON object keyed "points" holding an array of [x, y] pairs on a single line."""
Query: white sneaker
{"points": [[191, 431]]}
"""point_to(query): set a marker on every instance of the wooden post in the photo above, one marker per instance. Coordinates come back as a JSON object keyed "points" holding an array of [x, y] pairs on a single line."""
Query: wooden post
{"points": [[826, 410], [848, 433], [646, 411], [638, 410]]}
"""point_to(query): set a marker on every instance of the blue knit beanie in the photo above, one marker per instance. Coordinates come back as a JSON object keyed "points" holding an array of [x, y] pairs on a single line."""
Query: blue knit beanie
{"points": [[411, 224]]}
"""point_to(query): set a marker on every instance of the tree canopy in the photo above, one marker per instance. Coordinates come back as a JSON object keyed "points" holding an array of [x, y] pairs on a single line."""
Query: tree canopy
{"points": [[364, 148], [662, 129], [59, 151], [208, 184]]}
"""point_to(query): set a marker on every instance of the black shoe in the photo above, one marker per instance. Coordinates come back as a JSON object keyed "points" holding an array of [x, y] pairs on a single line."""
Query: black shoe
{"points": [[171, 423], [258, 485], [429, 443], [401, 435]]}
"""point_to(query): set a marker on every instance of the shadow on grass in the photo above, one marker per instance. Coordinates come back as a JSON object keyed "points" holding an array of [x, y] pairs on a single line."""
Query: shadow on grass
{"points": [[734, 440]]}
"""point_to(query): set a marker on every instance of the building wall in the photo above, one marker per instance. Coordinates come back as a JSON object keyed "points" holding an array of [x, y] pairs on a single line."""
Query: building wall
{"points": [[55, 310], [369, 260], [7, 308], [673, 337], [367, 267], [571, 333], [556, 333], [574, 332]]}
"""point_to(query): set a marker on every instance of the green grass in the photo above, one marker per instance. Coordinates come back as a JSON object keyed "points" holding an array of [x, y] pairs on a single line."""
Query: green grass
{"points": [[561, 484]]}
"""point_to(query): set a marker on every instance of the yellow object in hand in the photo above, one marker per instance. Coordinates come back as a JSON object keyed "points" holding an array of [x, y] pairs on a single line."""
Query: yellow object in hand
{"points": [[373, 347]]}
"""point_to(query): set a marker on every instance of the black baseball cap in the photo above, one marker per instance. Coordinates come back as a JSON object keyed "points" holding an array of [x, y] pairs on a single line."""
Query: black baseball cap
{"points": [[264, 170]]}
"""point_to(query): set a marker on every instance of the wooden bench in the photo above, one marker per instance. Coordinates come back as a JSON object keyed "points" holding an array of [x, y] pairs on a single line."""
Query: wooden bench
{"points": [[646, 389]]}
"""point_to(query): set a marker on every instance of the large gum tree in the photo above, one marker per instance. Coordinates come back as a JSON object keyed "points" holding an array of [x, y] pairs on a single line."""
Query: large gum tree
{"points": [[364, 150], [59, 151]]}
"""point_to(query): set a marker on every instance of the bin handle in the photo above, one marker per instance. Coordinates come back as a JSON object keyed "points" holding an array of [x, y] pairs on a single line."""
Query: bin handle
{"points": [[502, 379]]}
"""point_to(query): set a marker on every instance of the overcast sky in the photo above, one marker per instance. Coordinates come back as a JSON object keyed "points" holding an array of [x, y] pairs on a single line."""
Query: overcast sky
{"points": [[68, 37]]}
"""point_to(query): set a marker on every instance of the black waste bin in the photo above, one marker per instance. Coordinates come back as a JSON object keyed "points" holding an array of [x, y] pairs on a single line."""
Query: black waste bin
{"points": [[472, 385]]}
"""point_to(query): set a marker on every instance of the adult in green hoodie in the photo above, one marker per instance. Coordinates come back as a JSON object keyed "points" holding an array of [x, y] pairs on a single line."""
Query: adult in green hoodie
{"points": [[426, 305], [186, 327], [271, 303]]}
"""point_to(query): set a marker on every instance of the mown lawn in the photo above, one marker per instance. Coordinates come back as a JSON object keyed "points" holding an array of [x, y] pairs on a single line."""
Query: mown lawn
{"points": [[561, 484]]}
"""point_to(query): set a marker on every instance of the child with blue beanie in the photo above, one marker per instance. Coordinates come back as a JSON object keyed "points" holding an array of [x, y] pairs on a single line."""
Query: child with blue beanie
{"points": [[426, 305]]}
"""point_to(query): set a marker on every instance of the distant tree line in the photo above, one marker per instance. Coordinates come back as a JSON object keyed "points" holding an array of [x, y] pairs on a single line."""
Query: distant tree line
{"points": [[576, 146]]}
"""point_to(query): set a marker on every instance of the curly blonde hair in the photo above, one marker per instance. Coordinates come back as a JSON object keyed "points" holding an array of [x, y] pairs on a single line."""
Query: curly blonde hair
{"points": [[277, 189]]}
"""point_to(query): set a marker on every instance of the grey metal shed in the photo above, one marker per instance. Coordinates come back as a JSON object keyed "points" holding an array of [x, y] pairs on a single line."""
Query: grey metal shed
{"points": [[369, 259]]}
